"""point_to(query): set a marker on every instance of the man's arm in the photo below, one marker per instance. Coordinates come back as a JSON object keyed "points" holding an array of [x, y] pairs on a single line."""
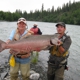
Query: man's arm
{"points": [[39, 31], [8, 41], [63, 47], [10, 37]]}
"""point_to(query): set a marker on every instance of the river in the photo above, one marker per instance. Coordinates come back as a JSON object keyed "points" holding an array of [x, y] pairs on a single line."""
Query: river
{"points": [[48, 28]]}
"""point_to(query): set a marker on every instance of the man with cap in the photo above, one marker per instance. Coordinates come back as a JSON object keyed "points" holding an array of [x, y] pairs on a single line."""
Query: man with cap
{"points": [[36, 30], [58, 54], [22, 62]]}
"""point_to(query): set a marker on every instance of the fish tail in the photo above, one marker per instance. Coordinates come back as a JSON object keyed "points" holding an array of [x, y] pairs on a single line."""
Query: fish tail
{"points": [[2, 45]]}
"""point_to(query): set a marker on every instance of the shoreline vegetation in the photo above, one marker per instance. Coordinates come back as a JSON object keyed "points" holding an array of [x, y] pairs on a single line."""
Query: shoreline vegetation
{"points": [[69, 13]]}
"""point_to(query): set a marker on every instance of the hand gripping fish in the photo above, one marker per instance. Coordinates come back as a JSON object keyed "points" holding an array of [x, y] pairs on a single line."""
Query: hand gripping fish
{"points": [[31, 43]]}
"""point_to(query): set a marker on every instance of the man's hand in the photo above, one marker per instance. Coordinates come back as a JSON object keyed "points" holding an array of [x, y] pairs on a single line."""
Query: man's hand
{"points": [[59, 43], [56, 42], [13, 52], [8, 41], [26, 55]]}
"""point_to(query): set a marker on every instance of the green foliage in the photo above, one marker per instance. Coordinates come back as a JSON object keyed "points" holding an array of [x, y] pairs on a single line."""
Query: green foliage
{"points": [[34, 57], [69, 13]]}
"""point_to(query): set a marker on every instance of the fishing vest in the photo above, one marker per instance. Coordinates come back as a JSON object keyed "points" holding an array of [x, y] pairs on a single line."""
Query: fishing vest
{"points": [[17, 36], [35, 30], [54, 49]]}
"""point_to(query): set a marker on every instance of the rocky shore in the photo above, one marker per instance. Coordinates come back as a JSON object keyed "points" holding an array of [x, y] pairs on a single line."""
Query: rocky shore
{"points": [[40, 67], [4, 71]]}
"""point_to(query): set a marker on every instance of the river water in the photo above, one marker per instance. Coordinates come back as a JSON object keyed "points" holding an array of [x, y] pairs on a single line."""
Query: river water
{"points": [[48, 28]]}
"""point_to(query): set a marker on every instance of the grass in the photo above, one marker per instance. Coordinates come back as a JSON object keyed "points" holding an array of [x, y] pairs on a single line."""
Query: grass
{"points": [[34, 57]]}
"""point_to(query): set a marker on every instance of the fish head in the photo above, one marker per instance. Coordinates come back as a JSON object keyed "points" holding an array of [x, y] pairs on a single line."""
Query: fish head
{"points": [[54, 41]]}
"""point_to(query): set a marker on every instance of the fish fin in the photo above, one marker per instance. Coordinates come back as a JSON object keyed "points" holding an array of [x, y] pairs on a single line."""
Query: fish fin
{"points": [[47, 47], [2, 45]]}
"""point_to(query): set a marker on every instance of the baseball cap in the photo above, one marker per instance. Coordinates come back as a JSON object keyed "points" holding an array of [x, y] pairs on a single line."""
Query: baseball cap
{"points": [[22, 20], [61, 23]]}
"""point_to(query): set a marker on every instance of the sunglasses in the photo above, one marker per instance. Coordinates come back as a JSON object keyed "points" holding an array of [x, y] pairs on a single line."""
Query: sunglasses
{"points": [[21, 19]]}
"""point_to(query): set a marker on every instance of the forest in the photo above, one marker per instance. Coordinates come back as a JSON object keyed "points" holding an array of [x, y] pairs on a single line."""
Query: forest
{"points": [[68, 13]]}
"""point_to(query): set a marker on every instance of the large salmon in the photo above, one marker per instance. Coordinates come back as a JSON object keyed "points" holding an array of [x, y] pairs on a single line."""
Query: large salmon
{"points": [[31, 43]]}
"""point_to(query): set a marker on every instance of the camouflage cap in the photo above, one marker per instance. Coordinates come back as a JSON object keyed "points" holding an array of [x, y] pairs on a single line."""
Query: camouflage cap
{"points": [[61, 23]]}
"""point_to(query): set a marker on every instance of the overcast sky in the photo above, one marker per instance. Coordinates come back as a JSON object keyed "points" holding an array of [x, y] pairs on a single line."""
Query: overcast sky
{"points": [[28, 5]]}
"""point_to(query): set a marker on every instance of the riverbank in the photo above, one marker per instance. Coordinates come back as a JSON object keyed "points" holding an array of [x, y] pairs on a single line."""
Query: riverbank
{"points": [[40, 67]]}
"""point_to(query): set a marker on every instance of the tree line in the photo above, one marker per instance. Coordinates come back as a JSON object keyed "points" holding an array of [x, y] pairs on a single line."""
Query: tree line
{"points": [[69, 13]]}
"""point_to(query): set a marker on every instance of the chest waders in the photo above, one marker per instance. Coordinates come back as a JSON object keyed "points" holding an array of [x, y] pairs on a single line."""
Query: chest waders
{"points": [[57, 60]]}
